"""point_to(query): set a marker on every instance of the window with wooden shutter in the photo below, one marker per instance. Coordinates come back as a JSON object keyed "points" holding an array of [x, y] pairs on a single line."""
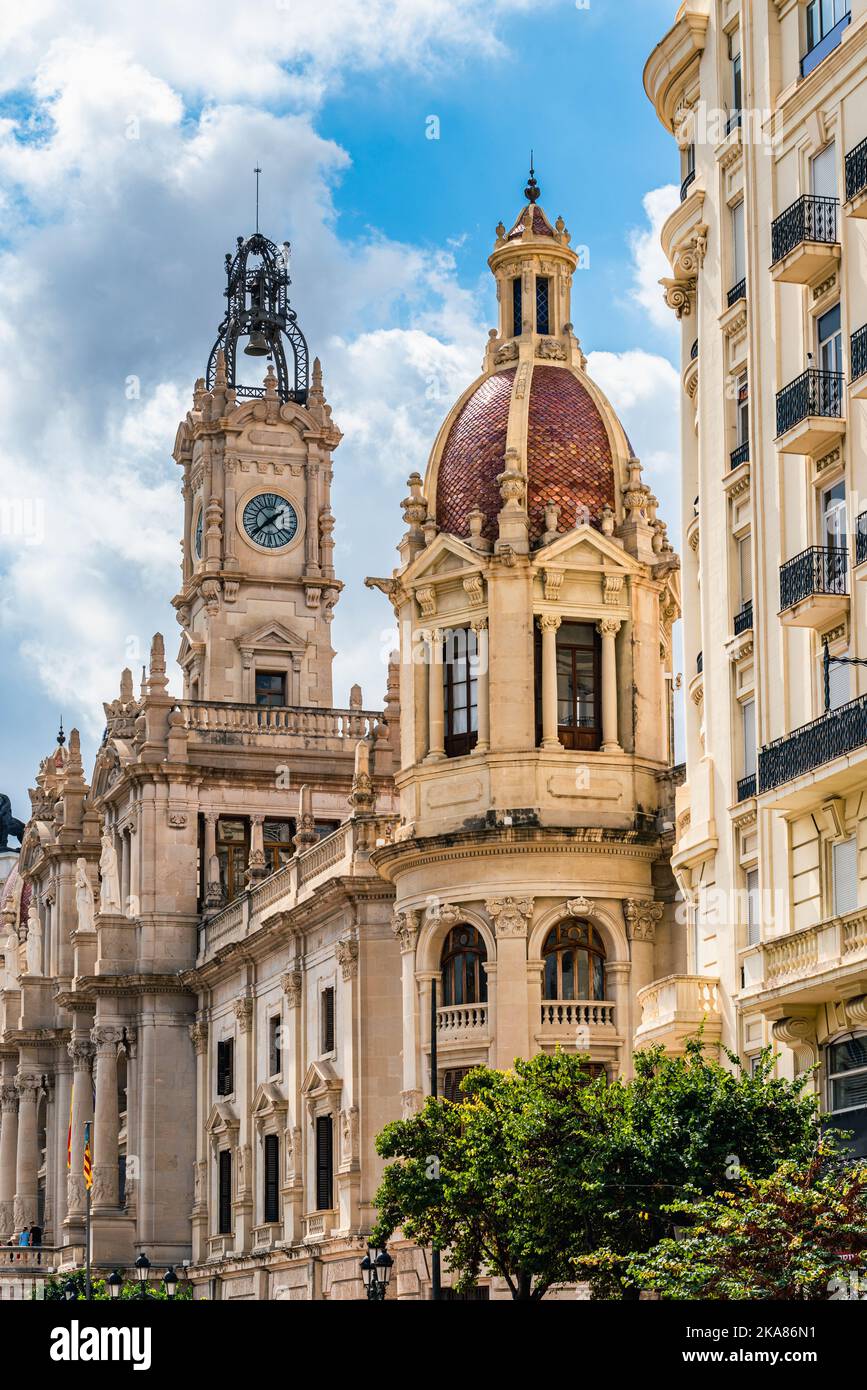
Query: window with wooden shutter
{"points": [[272, 1177], [328, 1020], [845, 866], [225, 1068], [275, 1060], [225, 1208], [451, 1084], [324, 1162]]}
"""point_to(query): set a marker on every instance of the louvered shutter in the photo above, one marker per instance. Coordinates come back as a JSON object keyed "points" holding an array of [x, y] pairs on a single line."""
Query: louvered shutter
{"points": [[845, 877], [324, 1162], [272, 1177], [328, 1020], [225, 1212]]}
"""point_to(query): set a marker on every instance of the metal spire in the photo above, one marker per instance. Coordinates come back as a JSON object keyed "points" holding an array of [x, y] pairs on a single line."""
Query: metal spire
{"points": [[61, 736], [532, 191], [257, 171]]}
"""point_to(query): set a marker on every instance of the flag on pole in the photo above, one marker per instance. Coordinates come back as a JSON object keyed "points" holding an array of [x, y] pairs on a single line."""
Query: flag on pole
{"points": [[69, 1131], [88, 1158]]}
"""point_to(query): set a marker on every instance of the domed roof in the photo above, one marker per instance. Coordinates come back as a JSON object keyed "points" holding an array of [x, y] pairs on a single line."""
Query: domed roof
{"points": [[557, 425]]}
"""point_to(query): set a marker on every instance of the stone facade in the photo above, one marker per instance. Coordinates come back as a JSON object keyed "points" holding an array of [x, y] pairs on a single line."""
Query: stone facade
{"points": [[244, 928], [768, 105]]}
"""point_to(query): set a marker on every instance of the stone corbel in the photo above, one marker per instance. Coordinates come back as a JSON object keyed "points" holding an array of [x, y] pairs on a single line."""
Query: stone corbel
{"points": [[798, 1033], [856, 1011], [679, 295], [553, 583], [474, 588]]}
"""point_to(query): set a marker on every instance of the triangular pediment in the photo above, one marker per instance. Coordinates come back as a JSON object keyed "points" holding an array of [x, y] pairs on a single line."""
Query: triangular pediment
{"points": [[445, 555], [268, 1100], [320, 1079], [221, 1118], [271, 636], [586, 548]]}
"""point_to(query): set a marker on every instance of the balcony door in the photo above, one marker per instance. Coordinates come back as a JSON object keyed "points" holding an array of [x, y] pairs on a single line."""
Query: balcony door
{"points": [[829, 338], [823, 172]]}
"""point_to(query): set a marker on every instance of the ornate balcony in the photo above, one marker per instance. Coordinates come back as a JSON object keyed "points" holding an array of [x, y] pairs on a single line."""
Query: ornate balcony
{"points": [[810, 414], [861, 539], [686, 185], [740, 455], [746, 787], [676, 1008], [744, 619], [579, 1023], [856, 181], [804, 242], [833, 735], [858, 363], [814, 586], [275, 726], [810, 965], [462, 1023], [738, 291]]}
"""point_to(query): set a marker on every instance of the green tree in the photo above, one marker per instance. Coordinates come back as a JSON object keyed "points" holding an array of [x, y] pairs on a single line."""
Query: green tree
{"points": [[799, 1234], [55, 1289], [543, 1174]]}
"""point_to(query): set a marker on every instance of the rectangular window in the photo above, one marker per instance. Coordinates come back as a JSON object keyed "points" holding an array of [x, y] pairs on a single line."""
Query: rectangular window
{"points": [[753, 906], [324, 1162], [460, 691], [517, 309], [829, 339], [846, 1064], [742, 403], [739, 261], [274, 1036], [225, 1067], [225, 1200], [736, 77], [451, 1083], [233, 851], [823, 172], [270, 688], [844, 863], [833, 516], [822, 16], [542, 304], [278, 846], [272, 1177], [327, 1028], [748, 718], [745, 569], [839, 681], [578, 712]]}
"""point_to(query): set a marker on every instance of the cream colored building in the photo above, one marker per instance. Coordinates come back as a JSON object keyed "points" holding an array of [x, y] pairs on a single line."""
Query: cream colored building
{"points": [[767, 249], [239, 924]]}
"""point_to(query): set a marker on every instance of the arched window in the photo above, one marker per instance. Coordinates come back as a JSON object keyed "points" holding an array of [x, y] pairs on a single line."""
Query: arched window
{"points": [[574, 962], [464, 978]]}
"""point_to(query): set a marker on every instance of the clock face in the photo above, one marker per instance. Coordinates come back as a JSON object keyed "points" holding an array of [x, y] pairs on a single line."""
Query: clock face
{"points": [[198, 537], [270, 521]]}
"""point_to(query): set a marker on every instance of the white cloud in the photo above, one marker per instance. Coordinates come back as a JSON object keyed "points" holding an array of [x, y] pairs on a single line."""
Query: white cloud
{"points": [[644, 389], [649, 264]]}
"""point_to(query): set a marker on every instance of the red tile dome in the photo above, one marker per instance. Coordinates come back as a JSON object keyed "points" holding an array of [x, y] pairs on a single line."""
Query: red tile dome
{"points": [[567, 449]]}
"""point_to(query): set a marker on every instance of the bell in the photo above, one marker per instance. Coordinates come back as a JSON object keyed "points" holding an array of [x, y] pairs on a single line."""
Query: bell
{"points": [[258, 345]]}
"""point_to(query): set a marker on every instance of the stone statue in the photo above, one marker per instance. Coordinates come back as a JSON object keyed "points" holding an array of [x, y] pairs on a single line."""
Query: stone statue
{"points": [[9, 824], [9, 948], [83, 896], [34, 941], [109, 892]]}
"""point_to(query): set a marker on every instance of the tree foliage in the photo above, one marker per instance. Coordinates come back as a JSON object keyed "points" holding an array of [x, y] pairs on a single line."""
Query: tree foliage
{"points": [[55, 1289], [543, 1174], [800, 1233]]}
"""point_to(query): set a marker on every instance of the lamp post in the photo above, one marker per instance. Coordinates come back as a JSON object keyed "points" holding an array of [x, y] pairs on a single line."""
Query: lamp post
{"points": [[376, 1271], [115, 1284], [142, 1264], [70, 1292], [170, 1281]]}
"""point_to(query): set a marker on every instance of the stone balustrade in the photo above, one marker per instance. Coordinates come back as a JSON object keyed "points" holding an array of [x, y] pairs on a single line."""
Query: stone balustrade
{"points": [[460, 1021], [559, 1015], [678, 1007], [807, 954], [213, 721]]}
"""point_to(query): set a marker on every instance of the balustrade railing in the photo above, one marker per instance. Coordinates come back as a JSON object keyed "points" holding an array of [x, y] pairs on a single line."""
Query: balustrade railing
{"points": [[577, 1013], [812, 393], [462, 1018], [207, 717], [861, 539], [810, 218], [686, 185], [746, 787], [820, 569]]}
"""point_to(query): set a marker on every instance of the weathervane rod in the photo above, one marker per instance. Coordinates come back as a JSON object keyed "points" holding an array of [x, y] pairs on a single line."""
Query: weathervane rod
{"points": [[257, 171]]}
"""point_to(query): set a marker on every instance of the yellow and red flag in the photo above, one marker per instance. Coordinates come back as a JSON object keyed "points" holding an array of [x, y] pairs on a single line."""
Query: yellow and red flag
{"points": [[88, 1158]]}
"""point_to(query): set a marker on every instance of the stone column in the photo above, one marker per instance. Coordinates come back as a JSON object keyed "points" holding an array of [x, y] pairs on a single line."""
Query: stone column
{"points": [[8, 1156], [348, 1152], [312, 545], [106, 1125], [511, 918], [28, 1086], [483, 742], [62, 1095], [295, 1065], [608, 629], [199, 1039], [124, 873], [187, 494], [641, 916], [436, 697], [548, 625], [81, 1052], [405, 927], [48, 1222]]}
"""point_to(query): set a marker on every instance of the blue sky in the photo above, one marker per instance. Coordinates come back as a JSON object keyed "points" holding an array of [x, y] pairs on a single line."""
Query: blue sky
{"points": [[127, 141]]}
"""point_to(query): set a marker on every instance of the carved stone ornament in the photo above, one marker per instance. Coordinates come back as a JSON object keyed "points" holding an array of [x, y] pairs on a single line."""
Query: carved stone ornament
{"points": [[579, 907], [641, 916], [405, 927], [291, 982], [199, 1037], [799, 1033], [678, 295], [551, 350], [346, 951], [474, 588], [510, 915], [243, 1009], [507, 353]]}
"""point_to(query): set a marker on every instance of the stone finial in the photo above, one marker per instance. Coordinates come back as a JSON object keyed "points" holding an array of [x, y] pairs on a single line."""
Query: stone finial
{"points": [[270, 383], [305, 833], [220, 378], [607, 520], [355, 700], [158, 655], [362, 796], [552, 516], [126, 692]]}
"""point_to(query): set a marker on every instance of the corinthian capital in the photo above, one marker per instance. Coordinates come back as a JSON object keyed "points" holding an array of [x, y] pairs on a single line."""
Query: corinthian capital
{"points": [[405, 927], [8, 1098], [105, 1038], [81, 1051], [28, 1085]]}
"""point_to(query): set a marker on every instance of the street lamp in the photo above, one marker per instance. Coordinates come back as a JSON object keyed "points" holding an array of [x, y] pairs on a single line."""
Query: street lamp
{"points": [[115, 1283], [142, 1264], [375, 1271], [70, 1292], [170, 1282]]}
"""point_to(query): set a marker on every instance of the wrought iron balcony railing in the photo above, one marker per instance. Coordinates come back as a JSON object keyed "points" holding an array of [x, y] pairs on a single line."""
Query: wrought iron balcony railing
{"points": [[746, 787], [811, 393], [810, 218], [856, 170], [738, 291], [733, 120], [861, 538], [832, 735], [740, 455], [686, 185], [744, 619], [820, 569], [858, 352]]}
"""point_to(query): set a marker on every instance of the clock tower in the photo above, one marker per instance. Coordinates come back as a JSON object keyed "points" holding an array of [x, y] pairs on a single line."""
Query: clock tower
{"points": [[259, 588]]}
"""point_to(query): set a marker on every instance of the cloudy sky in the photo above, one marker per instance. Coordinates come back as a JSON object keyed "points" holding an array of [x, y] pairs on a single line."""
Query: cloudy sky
{"points": [[128, 135]]}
